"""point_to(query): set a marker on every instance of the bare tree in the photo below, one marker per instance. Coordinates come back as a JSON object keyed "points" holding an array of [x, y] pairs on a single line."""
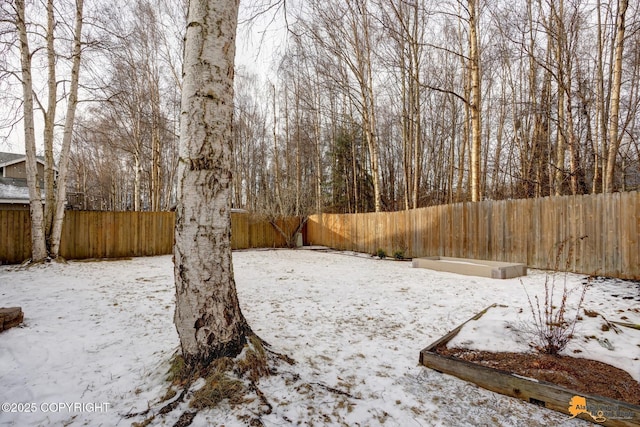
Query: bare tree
{"points": [[429, 102], [38, 244], [208, 317], [345, 30], [405, 22], [476, 101], [614, 113], [46, 221], [63, 164], [138, 111]]}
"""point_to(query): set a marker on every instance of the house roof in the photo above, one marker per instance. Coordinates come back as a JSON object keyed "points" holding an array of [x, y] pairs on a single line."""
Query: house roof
{"points": [[8, 159], [13, 191]]}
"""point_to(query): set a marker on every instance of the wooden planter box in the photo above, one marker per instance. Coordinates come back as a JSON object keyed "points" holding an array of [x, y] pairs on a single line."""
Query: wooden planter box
{"points": [[472, 267], [541, 393]]}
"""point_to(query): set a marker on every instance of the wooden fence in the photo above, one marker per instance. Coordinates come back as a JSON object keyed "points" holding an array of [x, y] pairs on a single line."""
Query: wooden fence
{"points": [[15, 236], [93, 234], [599, 233]]}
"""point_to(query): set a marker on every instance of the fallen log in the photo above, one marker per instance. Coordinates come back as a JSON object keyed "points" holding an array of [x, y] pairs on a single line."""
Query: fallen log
{"points": [[10, 317]]}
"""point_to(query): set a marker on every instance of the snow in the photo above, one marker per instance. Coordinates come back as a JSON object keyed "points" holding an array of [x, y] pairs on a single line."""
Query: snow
{"points": [[13, 192], [508, 328], [101, 333]]}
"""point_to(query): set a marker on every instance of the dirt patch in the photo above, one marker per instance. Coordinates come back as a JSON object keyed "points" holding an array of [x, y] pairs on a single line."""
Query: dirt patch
{"points": [[582, 375]]}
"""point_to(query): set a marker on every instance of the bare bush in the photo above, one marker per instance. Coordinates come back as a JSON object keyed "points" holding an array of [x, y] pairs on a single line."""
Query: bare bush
{"points": [[553, 323]]}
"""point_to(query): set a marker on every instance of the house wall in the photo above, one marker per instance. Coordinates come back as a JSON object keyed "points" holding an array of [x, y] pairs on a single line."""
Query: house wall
{"points": [[19, 170]]}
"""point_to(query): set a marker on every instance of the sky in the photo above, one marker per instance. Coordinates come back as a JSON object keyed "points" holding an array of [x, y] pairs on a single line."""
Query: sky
{"points": [[259, 37]]}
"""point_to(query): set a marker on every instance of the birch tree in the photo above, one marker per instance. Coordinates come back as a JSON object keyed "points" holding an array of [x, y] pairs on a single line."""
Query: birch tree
{"points": [[345, 30], [476, 101], [38, 246], [614, 138], [46, 220], [208, 317], [405, 24], [63, 165]]}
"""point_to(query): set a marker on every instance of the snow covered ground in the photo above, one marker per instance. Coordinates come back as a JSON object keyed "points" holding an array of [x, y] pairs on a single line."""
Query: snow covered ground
{"points": [[97, 338]]}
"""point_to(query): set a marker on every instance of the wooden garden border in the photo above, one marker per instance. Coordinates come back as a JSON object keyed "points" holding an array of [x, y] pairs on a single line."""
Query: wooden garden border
{"points": [[531, 390]]}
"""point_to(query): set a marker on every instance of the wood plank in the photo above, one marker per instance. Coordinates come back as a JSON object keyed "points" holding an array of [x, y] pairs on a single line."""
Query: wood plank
{"points": [[627, 239], [484, 229], [528, 208], [601, 231], [84, 241], [578, 218], [147, 237], [591, 253], [64, 237], [418, 231], [612, 222], [452, 333], [5, 239], [415, 231], [72, 245], [534, 391], [19, 240], [633, 216], [531, 390], [78, 236]]}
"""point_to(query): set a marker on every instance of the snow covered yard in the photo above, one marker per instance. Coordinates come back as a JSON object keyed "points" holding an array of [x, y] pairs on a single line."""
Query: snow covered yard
{"points": [[99, 335]]}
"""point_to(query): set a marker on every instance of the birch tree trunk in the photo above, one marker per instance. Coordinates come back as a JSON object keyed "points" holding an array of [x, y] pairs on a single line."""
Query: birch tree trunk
{"points": [[137, 176], [49, 123], [208, 317], [466, 131], [63, 164], [614, 112], [276, 157], [371, 120], [601, 127], [476, 102], [38, 244]]}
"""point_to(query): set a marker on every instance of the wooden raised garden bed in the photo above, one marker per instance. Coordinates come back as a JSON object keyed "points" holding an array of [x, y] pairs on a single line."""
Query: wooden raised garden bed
{"points": [[472, 267], [597, 409]]}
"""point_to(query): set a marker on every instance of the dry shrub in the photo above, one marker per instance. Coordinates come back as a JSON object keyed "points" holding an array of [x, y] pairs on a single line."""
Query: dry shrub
{"points": [[553, 327]]}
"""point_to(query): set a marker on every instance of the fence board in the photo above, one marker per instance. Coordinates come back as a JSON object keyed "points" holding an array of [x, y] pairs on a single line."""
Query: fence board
{"points": [[14, 236], [529, 231], [93, 234]]}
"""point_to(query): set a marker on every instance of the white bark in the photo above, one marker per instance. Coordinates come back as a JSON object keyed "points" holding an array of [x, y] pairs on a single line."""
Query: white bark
{"points": [[63, 164], [38, 245], [476, 102], [208, 317], [614, 137], [49, 123], [137, 180]]}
